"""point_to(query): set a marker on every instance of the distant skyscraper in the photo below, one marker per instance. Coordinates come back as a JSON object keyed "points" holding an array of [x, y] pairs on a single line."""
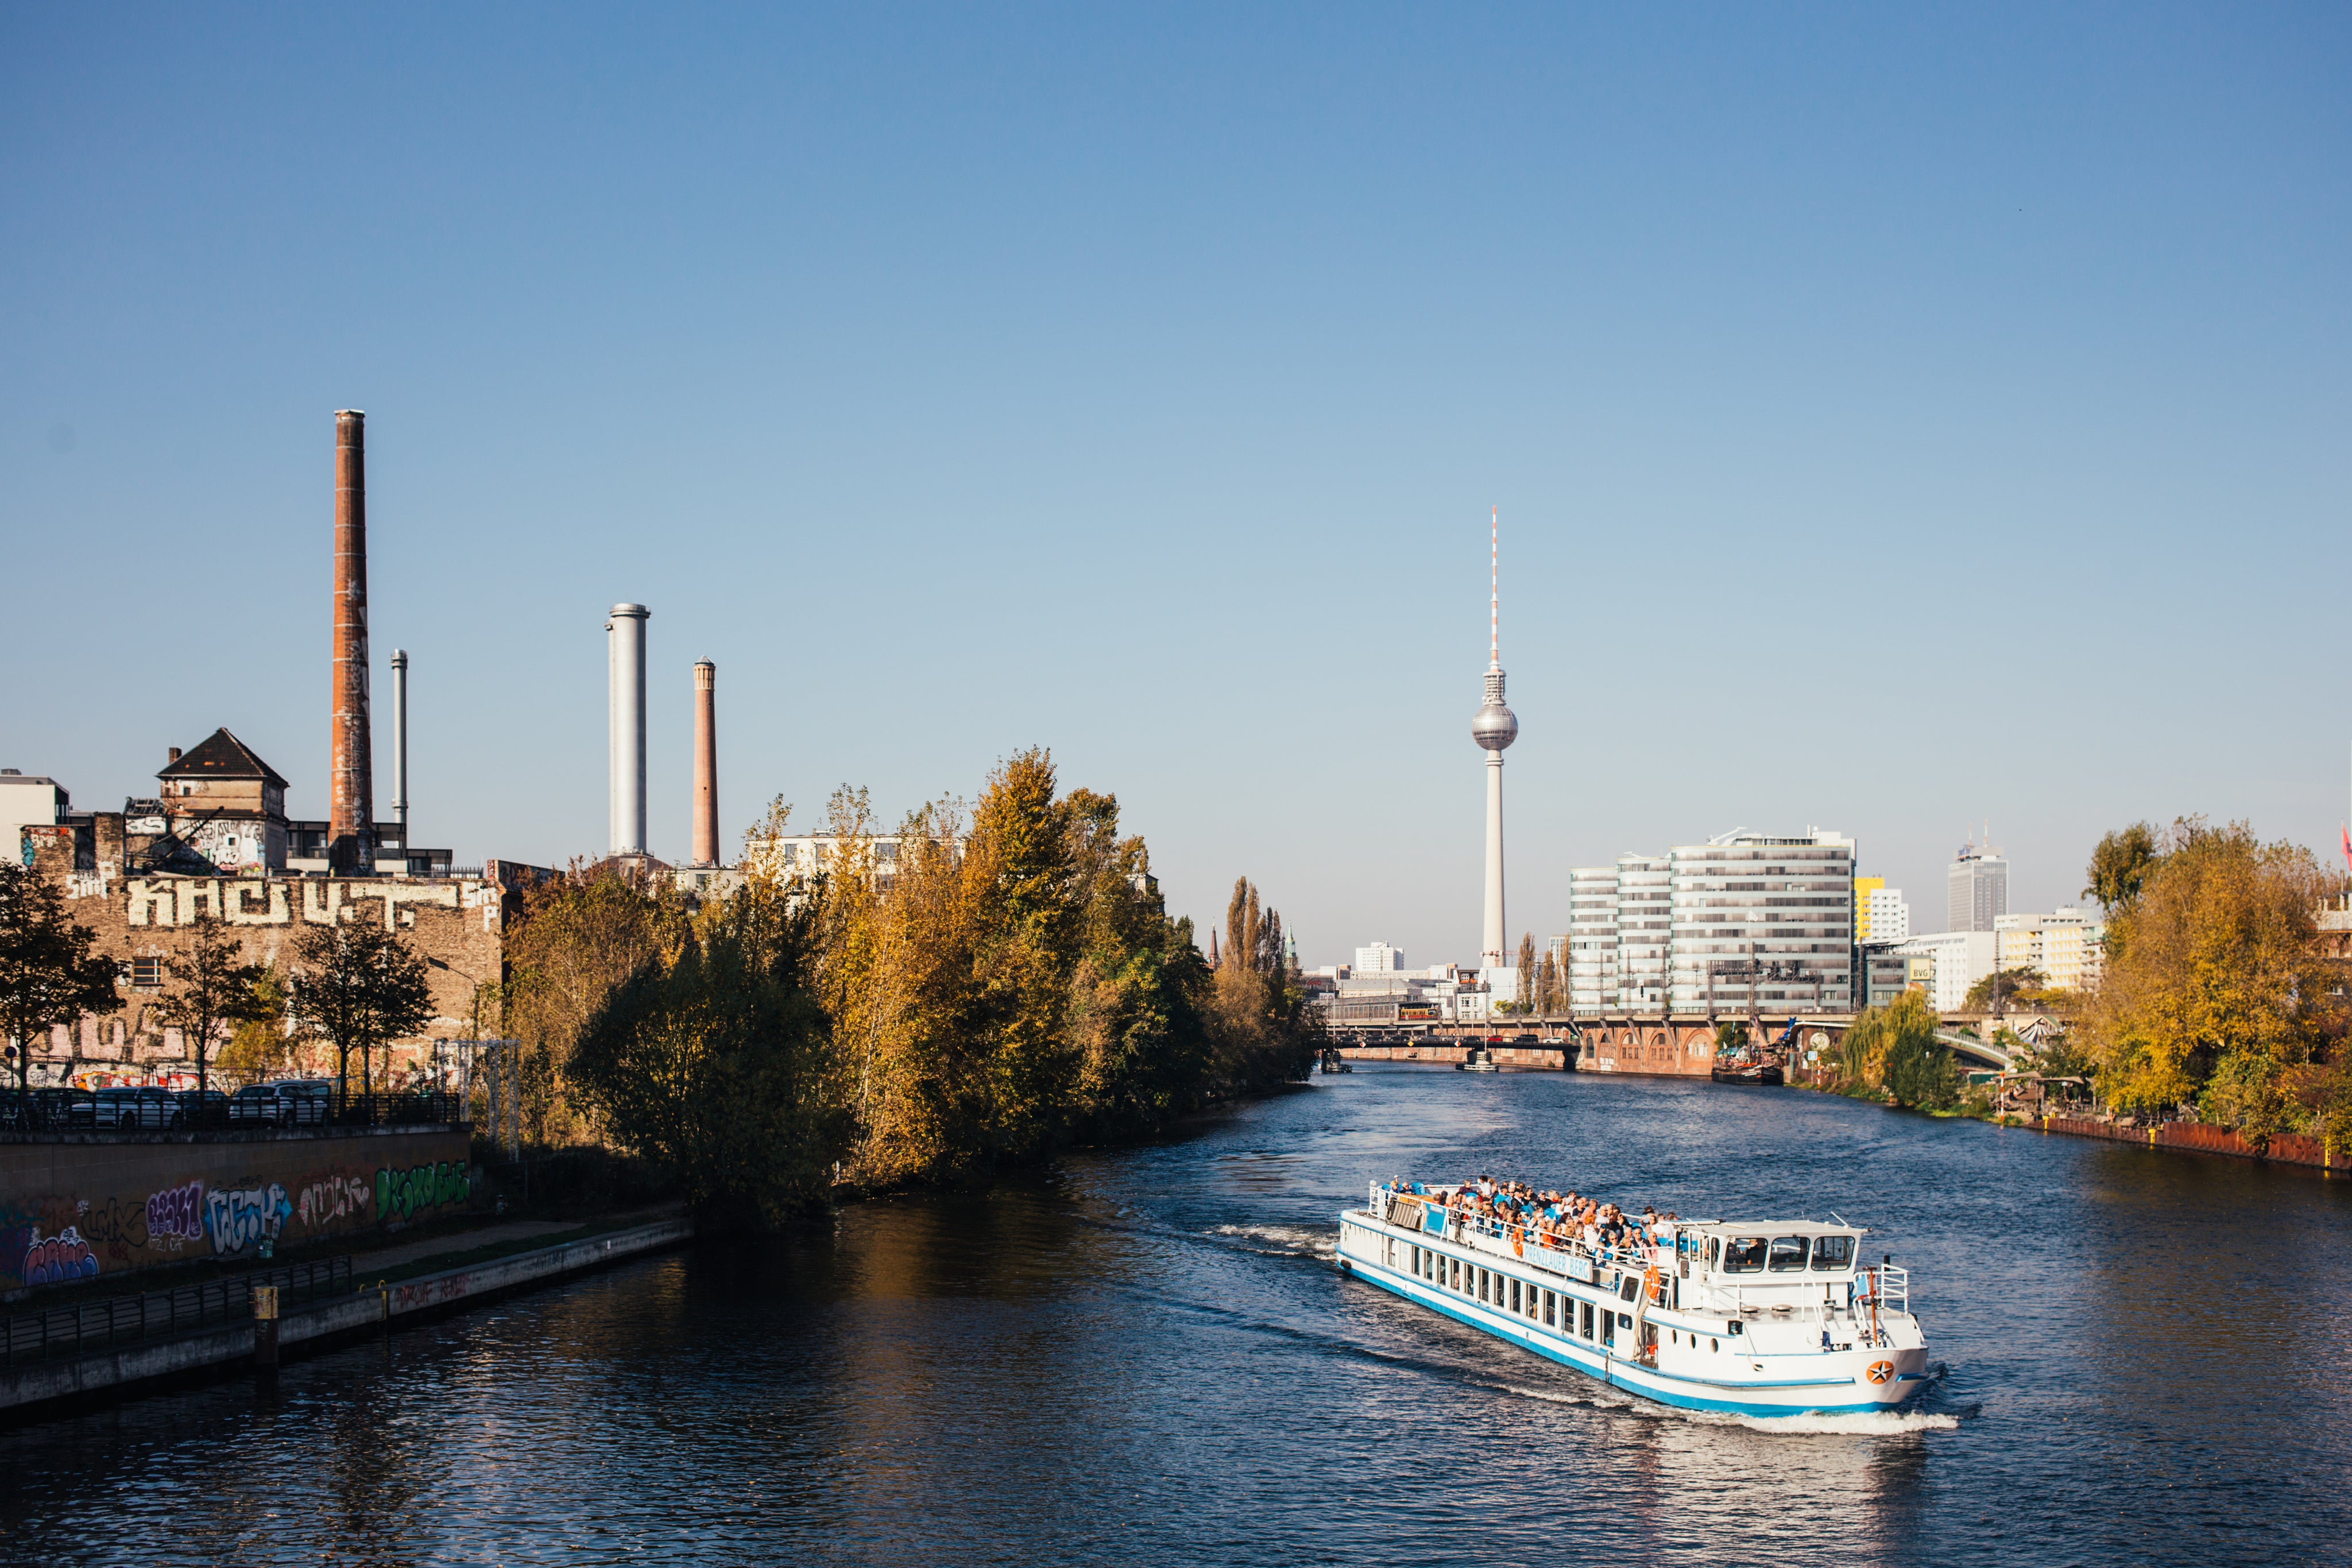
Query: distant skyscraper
{"points": [[1495, 727], [1978, 892]]}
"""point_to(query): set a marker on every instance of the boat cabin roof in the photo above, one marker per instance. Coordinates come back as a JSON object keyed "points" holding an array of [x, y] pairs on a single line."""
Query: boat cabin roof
{"points": [[1768, 1228]]}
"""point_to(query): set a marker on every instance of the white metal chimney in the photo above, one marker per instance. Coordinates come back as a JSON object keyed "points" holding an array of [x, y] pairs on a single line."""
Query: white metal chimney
{"points": [[625, 645], [400, 740]]}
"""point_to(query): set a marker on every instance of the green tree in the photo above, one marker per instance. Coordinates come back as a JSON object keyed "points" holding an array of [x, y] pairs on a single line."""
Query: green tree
{"points": [[2119, 868], [358, 987], [49, 974], [211, 987], [1992, 994], [1526, 968], [1892, 1051], [710, 1061]]}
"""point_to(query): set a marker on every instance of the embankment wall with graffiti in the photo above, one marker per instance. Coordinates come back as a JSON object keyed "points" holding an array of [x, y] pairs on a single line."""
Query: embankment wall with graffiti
{"points": [[73, 1209]]}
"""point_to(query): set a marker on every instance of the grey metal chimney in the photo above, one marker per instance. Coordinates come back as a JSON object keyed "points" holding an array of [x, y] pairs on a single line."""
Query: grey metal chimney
{"points": [[625, 647], [400, 740]]}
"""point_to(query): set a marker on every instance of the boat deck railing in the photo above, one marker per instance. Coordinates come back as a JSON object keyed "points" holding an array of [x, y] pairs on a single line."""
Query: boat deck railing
{"points": [[1484, 1233], [1886, 1288]]}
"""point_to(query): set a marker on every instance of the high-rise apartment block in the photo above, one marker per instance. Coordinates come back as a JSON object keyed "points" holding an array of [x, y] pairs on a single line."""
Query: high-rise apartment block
{"points": [[1593, 938], [1380, 958], [1743, 921], [1879, 914], [2066, 946], [1978, 892]]}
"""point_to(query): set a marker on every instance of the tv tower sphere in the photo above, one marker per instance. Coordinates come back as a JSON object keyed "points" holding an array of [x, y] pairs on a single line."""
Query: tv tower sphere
{"points": [[1494, 726]]}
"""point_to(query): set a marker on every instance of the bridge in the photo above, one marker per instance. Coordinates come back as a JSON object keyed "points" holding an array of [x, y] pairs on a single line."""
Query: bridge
{"points": [[1677, 1045]]}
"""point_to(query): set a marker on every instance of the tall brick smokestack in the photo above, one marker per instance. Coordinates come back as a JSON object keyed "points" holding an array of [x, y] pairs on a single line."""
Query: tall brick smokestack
{"points": [[351, 772], [706, 764]]}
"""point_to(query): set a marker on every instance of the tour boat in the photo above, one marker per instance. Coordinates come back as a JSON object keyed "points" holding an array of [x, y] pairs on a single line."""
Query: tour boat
{"points": [[1748, 1317], [1478, 1059], [1746, 1066]]}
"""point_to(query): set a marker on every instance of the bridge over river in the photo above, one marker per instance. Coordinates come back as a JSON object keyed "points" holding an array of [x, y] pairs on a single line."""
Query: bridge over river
{"points": [[1674, 1045]]}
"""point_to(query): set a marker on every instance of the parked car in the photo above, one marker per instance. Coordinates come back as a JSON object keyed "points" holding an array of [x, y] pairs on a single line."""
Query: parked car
{"points": [[204, 1107], [138, 1110], [62, 1110], [295, 1103]]}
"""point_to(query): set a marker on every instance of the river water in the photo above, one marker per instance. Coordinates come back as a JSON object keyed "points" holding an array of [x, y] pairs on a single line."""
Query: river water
{"points": [[1146, 1356]]}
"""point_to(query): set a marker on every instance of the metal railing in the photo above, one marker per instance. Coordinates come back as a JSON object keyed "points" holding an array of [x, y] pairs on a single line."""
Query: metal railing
{"points": [[81, 1111], [114, 1320]]}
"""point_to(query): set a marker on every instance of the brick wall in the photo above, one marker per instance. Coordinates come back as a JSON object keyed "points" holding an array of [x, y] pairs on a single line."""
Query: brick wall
{"points": [[461, 921]]}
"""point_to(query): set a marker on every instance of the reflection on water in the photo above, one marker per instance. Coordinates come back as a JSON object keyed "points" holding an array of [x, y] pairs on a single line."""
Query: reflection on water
{"points": [[1147, 1356]]}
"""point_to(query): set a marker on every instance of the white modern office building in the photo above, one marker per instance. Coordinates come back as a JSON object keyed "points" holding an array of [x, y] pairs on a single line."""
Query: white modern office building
{"points": [[1744, 920], [1961, 959], [1593, 938], [1378, 959], [1978, 892]]}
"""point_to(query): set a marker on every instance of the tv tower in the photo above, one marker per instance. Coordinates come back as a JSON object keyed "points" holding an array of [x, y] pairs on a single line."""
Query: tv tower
{"points": [[1495, 727]]}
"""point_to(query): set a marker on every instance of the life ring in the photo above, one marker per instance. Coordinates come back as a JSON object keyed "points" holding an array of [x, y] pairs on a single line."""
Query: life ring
{"points": [[1880, 1371], [1653, 1287], [1518, 1240]]}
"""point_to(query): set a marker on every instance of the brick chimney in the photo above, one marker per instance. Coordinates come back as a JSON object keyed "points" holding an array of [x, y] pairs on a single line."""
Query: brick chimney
{"points": [[706, 764], [351, 770]]}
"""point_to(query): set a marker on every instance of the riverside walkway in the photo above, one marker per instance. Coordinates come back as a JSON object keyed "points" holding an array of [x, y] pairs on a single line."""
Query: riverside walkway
{"points": [[108, 1351]]}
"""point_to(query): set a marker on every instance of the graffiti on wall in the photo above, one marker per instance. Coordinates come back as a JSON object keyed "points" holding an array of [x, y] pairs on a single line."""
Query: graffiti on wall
{"points": [[400, 1194], [177, 1212], [55, 1260], [238, 1220], [331, 1197], [149, 1206]]}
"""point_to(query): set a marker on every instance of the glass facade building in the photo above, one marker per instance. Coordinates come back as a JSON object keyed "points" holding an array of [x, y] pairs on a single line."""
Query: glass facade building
{"points": [[1745, 922]]}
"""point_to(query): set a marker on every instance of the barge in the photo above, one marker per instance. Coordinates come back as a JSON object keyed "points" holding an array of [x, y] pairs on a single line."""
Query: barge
{"points": [[1745, 1317]]}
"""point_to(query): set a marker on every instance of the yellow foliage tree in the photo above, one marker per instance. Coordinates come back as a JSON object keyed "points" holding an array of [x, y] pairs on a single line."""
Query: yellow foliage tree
{"points": [[2217, 991]]}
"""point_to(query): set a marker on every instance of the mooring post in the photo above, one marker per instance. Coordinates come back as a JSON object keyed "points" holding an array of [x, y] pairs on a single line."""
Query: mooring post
{"points": [[265, 1327]]}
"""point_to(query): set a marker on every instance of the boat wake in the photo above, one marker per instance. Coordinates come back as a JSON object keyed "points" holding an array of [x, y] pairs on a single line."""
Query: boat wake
{"points": [[1861, 1423], [1282, 1240]]}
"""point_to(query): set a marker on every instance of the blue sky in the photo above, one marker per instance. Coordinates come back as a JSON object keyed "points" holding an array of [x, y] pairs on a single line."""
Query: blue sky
{"points": [[1900, 419]]}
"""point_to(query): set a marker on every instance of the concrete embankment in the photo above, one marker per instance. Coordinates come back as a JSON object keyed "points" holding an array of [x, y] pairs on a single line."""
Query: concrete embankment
{"points": [[321, 1324], [2197, 1137]]}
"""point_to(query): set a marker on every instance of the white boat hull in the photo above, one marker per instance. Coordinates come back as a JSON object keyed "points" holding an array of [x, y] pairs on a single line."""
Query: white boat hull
{"points": [[1732, 1375]]}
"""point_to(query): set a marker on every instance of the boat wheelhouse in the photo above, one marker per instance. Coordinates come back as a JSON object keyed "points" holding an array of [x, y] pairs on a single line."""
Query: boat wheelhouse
{"points": [[1750, 1317]]}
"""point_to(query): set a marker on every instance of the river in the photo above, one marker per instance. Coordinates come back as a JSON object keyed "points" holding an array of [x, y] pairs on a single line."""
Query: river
{"points": [[1146, 1356]]}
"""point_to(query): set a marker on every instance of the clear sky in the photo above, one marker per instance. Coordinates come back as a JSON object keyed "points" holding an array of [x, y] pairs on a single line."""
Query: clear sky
{"points": [[1902, 418]]}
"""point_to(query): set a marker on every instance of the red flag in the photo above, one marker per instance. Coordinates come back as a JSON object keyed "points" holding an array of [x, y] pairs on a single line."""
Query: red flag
{"points": [[2348, 846]]}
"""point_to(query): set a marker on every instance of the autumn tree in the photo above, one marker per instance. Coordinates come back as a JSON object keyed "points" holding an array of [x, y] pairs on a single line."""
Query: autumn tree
{"points": [[1992, 994], [1526, 970], [49, 974], [710, 1060], [574, 938], [2216, 994], [211, 987], [358, 987]]}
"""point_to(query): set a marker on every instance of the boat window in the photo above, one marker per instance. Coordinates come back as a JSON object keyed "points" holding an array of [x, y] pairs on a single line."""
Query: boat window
{"points": [[1551, 1310], [1483, 1277], [1715, 1344], [1588, 1319], [1789, 1253], [1833, 1252], [1714, 1249], [1515, 1295], [1744, 1256], [1453, 1273]]}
